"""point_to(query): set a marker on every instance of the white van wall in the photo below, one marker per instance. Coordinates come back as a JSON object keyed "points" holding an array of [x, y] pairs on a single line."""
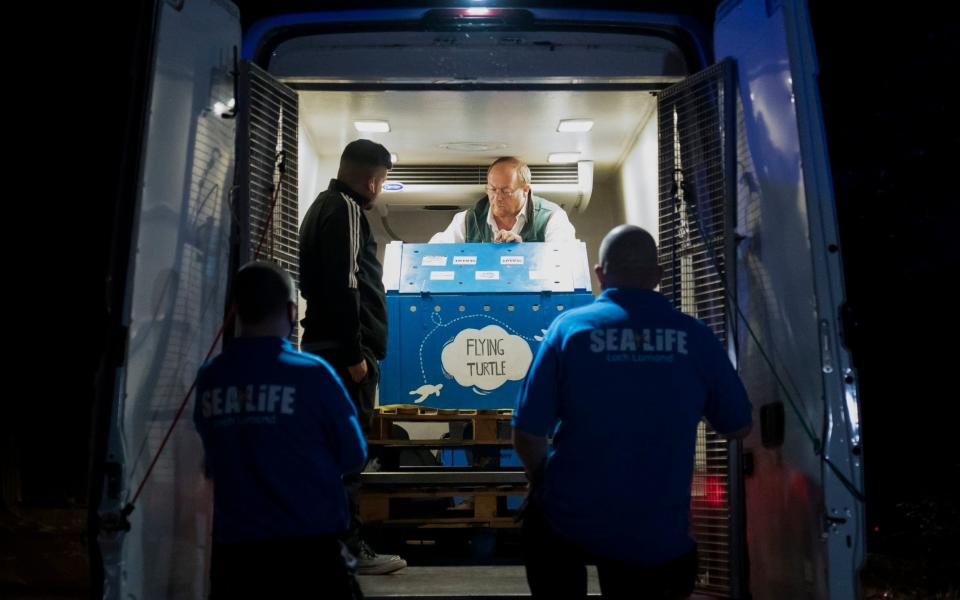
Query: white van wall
{"points": [[638, 179], [313, 175], [604, 212], [311, 180]]}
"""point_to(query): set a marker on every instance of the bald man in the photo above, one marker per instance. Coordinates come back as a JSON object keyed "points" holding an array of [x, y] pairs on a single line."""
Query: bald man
{"points": [[621, 385], [509, 212]]}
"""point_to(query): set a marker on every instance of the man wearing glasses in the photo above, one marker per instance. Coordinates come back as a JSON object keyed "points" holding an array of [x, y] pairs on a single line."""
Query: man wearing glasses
{"points": [[509, 212]]}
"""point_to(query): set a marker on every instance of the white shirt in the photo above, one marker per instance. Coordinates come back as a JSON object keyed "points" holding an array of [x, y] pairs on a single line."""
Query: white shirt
{"points": [[558, 229]]}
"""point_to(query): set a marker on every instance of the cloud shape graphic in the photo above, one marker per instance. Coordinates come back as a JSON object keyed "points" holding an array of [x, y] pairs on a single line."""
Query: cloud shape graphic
{"points": [[486, 358]]}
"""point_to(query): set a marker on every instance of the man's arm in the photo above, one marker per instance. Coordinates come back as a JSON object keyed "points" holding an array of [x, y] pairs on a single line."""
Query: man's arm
{"points": [[201, 412], [536, 411], [532, 450], [338, 243], [455, 233], [559, 228], [740, 433], [338, 418], [728, 409]]}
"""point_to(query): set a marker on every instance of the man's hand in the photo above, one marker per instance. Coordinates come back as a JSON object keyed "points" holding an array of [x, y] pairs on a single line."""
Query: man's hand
{"points": [[505, 236], [531, 450], [358, 371]]}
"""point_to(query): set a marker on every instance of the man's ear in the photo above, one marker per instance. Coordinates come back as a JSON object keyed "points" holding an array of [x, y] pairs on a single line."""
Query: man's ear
{"points": [[601, 276], [292, 312]]}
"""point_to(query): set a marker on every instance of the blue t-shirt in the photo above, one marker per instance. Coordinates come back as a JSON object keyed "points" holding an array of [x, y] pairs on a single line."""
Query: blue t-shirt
{"points": [[279, 431], [622, 384]]}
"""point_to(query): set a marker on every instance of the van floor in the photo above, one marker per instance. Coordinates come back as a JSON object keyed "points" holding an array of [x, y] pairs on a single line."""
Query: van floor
{"points": [[472, 582]]}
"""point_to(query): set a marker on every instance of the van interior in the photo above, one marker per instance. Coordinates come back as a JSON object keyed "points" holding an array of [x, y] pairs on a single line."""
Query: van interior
{"points": [[591, 144]]}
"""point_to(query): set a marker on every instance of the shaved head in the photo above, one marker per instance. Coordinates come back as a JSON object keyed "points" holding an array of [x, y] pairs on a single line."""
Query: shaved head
{"points": [[262, 290], [628, 258]]}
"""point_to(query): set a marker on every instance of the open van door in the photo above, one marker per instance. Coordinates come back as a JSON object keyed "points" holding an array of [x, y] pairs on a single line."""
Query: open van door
{"points": [[195, 219], [169, 280], [749, 243]]}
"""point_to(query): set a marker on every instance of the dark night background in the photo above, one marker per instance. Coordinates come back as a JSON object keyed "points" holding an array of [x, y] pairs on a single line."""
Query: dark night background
{"points": [[887, 81]]}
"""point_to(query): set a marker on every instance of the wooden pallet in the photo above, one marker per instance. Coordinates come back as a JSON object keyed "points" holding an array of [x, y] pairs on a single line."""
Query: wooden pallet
{"points": [[433, 506], [479, 507], [489, 426]]}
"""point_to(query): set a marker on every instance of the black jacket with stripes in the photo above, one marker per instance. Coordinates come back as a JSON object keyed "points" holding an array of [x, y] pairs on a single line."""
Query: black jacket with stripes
{"points": [[341, 277]]}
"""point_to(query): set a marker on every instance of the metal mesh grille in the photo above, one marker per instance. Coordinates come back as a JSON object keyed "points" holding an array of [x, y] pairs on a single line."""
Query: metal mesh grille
{"points": [[272, 127], [476, 174], [268, 132], [693, 222]]}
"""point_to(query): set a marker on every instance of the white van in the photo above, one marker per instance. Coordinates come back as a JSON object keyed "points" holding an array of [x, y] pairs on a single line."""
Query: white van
{"points": [[713, 141]]}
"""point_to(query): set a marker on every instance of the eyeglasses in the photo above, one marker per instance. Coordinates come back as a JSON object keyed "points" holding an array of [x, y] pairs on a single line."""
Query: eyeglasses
{"points": [[492, 191]]}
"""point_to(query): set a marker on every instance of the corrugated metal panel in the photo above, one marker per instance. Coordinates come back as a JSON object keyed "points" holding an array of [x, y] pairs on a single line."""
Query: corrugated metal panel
{"points": [[269, 132], [476, 174]]}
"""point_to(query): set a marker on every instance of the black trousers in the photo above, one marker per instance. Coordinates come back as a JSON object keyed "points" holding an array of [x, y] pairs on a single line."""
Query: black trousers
{"points": [[302, 567], [363, 395], [557, 568]]}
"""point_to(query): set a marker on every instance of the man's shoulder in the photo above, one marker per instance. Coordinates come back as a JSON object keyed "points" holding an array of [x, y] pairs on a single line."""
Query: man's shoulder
{"points": [[298, 359], [211, 365], [692, 324], [578, 319], [330, 201], [697, 329], [544, 204], [217, 370], [305, 369]]}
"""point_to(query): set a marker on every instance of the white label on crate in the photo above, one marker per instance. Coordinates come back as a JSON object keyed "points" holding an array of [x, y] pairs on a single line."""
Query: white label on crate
{"points": [[434, 261], [511, 260], [488, 275], [486, 358], [441, 275], [537, 275], [464, 260]]}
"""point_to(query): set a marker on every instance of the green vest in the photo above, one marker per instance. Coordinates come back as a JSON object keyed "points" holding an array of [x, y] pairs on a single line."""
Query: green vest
{"points": [[477, 229]]}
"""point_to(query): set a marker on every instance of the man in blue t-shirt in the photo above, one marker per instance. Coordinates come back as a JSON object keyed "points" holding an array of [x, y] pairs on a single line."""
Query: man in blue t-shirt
{"points": [[621, 386], [279, 432]]}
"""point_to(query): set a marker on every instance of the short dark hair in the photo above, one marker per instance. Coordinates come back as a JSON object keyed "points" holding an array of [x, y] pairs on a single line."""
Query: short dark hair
{"points": [[261, 290], [365, 153]]}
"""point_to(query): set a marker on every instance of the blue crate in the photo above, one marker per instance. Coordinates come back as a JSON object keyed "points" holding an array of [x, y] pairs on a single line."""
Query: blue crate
{"points": [[466, 319]]}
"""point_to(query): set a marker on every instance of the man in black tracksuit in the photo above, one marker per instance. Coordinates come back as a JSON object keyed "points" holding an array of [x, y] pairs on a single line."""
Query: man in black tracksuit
{"points": [[346, 316]]}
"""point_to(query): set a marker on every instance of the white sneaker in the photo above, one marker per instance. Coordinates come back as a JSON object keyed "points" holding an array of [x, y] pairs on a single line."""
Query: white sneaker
{"points": [[371, 563]]}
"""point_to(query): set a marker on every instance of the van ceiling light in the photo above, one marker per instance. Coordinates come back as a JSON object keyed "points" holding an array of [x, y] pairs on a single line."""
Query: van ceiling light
{"points": [[472, 146], [575, 125], [477, 12], [394, 158], [372, 126], [563, 157], [225, 110]]}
